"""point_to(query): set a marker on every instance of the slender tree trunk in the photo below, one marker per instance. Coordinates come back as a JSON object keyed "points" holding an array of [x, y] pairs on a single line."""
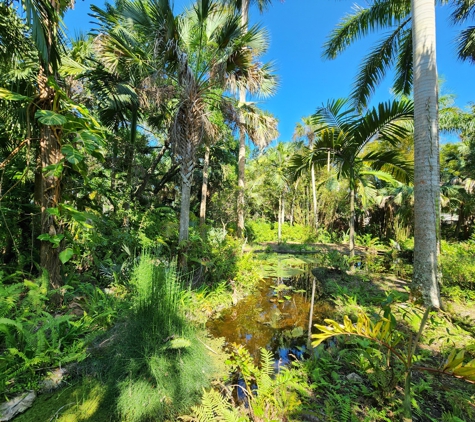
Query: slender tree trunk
{"points": [[314, 195], [131, 146], [426, 155], [283, 209], [204, 186], [151, 170], [186, 172], [242, 143], [306, 203], [279, 221], [352, 224], [115, 151], [241, 175]]}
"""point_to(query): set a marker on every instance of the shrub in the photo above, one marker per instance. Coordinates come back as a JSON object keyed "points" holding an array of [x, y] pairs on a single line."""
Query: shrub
{"points": [[457, 264]]}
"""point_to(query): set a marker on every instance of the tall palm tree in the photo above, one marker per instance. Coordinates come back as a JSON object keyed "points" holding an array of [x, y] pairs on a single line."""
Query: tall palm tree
{"points": [[42, 19], [348, 133], [199, 55], [243, 7], [307, 130], [426, 155]]}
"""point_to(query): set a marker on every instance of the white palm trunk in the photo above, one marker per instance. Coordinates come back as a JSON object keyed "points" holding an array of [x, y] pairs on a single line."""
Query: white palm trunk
{"points": [[204, 186], [426, 154], [242, 143], [314, 196]]}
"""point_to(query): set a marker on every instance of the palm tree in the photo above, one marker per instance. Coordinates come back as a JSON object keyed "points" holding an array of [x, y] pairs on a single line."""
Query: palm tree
{"points": [[42, 19], [347, 134], [278, 158], [426, 155], [394, 48], [243, 7], [307, 130], [199, 55]]}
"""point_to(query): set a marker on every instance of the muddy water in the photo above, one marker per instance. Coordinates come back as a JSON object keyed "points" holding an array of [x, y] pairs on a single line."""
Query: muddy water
{"points": [[274, 317]]}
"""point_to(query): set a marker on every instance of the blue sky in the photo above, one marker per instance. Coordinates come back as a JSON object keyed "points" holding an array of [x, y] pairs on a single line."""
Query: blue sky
{"points": [[298, 30]]}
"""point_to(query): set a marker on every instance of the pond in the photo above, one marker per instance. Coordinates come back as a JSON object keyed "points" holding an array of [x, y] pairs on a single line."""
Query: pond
{"points": [[275, 316]]}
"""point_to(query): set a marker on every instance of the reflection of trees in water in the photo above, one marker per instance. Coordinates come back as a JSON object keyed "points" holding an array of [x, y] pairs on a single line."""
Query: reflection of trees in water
{"points": [[259, 320]]}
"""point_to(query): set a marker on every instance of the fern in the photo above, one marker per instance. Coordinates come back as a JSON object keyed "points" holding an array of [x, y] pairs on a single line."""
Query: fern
{"points": [[215, 407]]}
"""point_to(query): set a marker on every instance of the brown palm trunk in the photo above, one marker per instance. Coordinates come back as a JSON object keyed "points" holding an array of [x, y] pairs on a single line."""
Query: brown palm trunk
{"points": [[186, 171], [48, 187]]}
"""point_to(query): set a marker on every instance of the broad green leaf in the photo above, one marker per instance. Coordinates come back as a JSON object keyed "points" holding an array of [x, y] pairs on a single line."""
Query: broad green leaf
{"points": [[5, 94], [66, 255], [50, 118], [72, 154], [54, 170], [53, 211]]}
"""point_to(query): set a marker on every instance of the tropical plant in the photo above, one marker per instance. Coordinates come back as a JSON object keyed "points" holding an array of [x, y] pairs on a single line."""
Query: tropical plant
{"points": [[383, 332], [307, 130], [347, 135], [266, 395], [242, 7]]}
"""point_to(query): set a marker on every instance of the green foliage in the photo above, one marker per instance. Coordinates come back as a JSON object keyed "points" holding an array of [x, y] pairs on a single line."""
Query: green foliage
{"points": [[163, 366], [457, 264], [268, 396], [33, 340], [260, 230], [393, 345]]}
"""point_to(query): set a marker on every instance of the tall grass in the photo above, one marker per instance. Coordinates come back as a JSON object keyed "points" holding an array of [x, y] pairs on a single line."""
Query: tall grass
{"points": [[158, 367]]}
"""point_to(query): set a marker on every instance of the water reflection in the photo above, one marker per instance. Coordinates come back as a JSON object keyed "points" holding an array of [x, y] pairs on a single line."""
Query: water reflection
{"points": [[274, 317]]}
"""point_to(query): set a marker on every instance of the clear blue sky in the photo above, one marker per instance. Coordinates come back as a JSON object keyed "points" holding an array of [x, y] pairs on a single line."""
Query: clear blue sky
{"points": [[298, 30]]}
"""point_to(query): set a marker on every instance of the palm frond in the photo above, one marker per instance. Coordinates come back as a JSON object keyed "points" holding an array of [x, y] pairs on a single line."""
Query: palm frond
{"points": [[392, 163], [403, 78], [375, 65], [466, 44], [353, 26]]}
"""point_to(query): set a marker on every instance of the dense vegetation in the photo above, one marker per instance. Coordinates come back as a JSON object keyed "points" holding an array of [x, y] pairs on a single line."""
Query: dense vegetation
{"points": [[122, 187]]}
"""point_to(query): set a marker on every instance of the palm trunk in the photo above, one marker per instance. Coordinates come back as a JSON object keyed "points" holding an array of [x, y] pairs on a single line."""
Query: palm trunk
{"points": [[48, 194], [279, 221], [283, 209], [242, 142], [426, 152], [131, 146], [48, 188], [314, 195], [186, 172], [352, 225], [241, 175], [204, 186]]}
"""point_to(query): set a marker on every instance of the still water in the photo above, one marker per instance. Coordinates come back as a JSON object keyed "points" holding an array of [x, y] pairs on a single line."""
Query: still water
{"points": [[275, 316]]}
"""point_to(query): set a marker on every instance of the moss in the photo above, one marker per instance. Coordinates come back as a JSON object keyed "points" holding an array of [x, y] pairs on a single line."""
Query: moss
{"points": [[84, 400]]}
